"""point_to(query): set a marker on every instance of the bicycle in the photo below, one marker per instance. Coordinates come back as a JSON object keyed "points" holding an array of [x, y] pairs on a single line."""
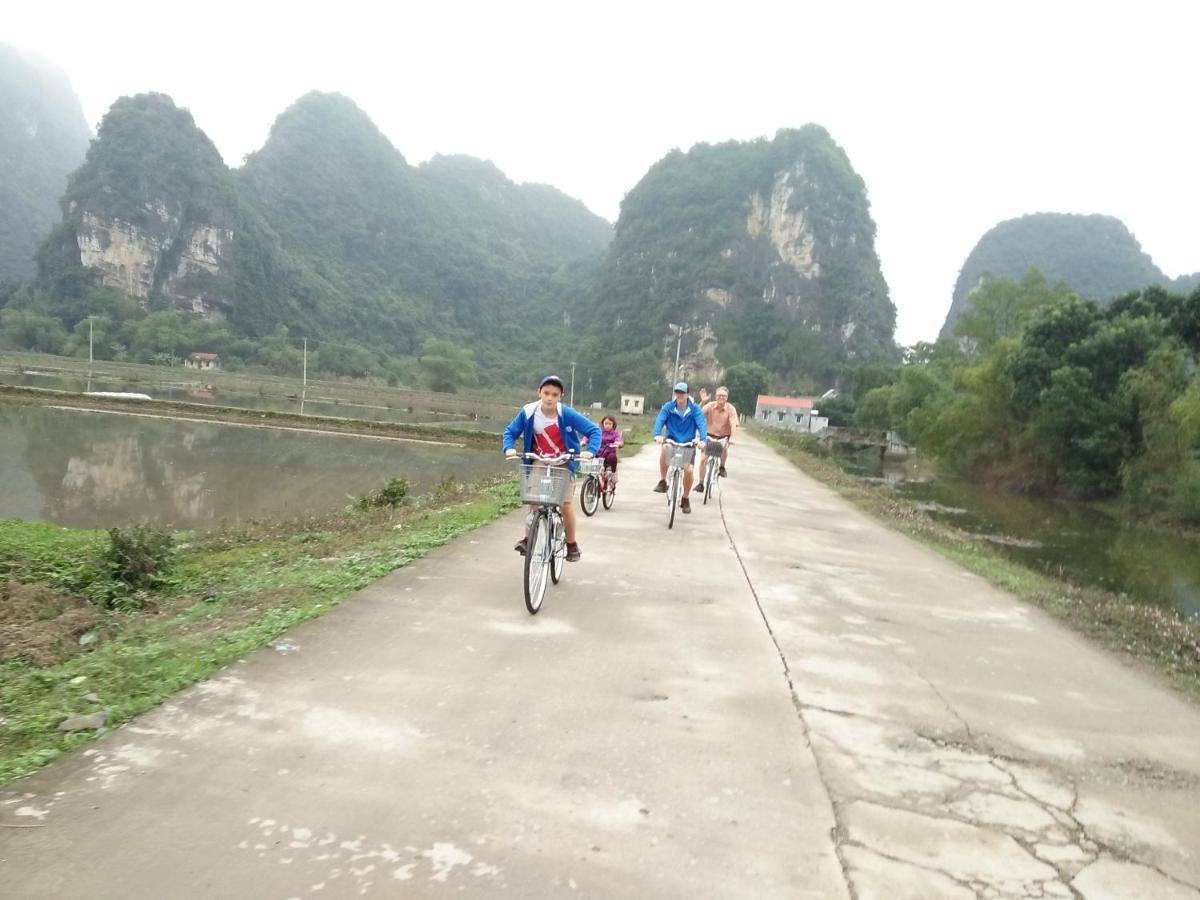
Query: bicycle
{"points": [[544, 485], [599, 486], [679, 458], [714, 450]]}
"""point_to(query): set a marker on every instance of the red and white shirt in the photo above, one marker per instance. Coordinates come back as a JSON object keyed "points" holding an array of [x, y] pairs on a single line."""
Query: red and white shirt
{"points": [[547, 439]]}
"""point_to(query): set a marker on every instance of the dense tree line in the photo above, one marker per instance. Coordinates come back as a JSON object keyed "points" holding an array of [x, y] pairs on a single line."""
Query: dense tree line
{"points": [[1044, 391]]}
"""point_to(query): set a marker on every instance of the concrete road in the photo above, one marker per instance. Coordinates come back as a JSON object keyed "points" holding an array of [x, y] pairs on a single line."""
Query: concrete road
{"points": [[777, 698]]}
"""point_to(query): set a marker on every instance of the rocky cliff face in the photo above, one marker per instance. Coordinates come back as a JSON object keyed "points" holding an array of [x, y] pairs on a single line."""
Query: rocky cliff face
{"points": [[152, 212], [760, 252], [178, 262]]}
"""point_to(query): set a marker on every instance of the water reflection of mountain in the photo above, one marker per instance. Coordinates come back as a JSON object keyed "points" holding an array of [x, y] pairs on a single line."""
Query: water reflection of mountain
{"points": [[94, 469]]}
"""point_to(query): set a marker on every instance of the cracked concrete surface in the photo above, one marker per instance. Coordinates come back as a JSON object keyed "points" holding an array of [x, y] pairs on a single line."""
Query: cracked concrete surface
{"points": [[971, 746], [778, 698]]}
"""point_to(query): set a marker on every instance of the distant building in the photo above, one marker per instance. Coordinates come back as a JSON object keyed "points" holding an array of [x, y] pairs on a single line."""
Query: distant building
{"points": [[206, 361], [632, 404], [792, 413]]}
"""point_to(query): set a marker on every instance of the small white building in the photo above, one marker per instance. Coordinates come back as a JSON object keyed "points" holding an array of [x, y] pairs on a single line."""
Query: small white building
{"points": [[632, 404], [792, 413]]}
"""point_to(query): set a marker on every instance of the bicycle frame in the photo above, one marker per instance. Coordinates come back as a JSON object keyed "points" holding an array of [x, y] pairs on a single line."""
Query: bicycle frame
{"points": [[675, 479], [546, 544]]}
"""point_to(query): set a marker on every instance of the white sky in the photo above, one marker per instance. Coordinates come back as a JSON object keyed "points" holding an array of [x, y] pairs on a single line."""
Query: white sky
{"points": [[957, 115]]}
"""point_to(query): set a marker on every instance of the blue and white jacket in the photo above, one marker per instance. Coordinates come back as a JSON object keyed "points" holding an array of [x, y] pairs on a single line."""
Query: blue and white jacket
{"points": [[572, 425], [682, 424]]}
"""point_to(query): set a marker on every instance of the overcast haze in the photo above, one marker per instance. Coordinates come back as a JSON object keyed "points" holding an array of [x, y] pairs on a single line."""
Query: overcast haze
{"points": [[957, 115]]}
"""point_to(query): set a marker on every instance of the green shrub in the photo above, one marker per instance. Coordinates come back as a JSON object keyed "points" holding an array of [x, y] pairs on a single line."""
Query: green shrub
{"points": [[393, 493], [139, 557]]}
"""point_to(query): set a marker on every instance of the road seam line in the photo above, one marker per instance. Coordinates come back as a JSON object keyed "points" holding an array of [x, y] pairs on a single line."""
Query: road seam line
{"points": [[840, 834]]}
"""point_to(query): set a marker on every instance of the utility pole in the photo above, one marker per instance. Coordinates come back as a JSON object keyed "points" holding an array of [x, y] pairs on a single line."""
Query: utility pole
{"points": [[305, 384], [678, 329], [571, 402], [90, 318]]}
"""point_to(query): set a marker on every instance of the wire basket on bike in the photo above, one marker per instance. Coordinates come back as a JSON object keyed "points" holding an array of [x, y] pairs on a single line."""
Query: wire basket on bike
{"points": [[544, 485], [681, 457], [714, 448], [593, 466]]}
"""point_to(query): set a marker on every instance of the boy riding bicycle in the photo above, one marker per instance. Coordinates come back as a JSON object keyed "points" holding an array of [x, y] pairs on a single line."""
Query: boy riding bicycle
{"points": [[550, 428]]}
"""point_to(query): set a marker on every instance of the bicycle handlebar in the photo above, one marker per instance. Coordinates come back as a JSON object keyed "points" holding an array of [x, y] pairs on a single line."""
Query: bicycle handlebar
{"points": [[562, 457]]}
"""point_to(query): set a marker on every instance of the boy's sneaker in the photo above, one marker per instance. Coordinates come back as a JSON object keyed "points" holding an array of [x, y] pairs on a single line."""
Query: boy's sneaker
{"points": [[660, 488], [685, 505], [722, 472], [699, 489], [573, 553], [522, 545]]}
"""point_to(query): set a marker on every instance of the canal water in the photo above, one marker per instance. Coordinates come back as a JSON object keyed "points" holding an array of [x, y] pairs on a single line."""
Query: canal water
{"points": [[1076, 542], [89, 469]]}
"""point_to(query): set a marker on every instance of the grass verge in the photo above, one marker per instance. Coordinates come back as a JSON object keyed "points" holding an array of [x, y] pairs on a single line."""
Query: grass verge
{"points": [[1160, 639], [229, 593]]}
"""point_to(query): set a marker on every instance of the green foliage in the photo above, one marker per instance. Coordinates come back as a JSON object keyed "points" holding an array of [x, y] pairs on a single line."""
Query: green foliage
{"points": [[392, 493], [139, 557], [1000, 308], [745, 382], [874, 409], [684, 253], [1074, 399], [333, 235], [447, 367]]}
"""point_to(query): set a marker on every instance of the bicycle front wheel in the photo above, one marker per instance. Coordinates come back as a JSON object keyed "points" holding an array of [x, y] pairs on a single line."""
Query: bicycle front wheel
{"points": [[710, 480], [589, 495], [558, 546], [610, 492], [537, 563], [673, 498]]}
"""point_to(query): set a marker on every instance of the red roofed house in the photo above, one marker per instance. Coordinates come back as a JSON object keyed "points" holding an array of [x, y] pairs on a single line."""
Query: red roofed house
{"points": [[207, 361], [793, 413]]}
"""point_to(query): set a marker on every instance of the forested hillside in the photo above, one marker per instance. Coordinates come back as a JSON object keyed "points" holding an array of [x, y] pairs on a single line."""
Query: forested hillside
{"points": [[763, 252], [1096, 256]]}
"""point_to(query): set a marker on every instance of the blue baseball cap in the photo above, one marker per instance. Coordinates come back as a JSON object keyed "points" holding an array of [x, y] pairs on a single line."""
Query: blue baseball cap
{"points": [[681, 387], [551, 379]]}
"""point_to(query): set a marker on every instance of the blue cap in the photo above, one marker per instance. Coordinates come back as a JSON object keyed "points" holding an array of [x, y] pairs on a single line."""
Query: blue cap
{"points": [[681, 386], [551, 379]]}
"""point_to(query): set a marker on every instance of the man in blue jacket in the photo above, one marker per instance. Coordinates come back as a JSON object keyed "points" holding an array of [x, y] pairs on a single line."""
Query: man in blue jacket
{"points": [[684, 422], [548, 427]]}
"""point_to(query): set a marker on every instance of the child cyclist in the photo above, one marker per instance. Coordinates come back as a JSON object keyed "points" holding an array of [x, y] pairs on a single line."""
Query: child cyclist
{"points": [[610, 440], [549, 427]]}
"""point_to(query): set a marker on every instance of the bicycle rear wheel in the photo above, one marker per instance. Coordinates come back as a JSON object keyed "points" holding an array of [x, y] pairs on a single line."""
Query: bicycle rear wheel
{"points": [[558, 546], [673, 498], [589, 495], [537, 562]]}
